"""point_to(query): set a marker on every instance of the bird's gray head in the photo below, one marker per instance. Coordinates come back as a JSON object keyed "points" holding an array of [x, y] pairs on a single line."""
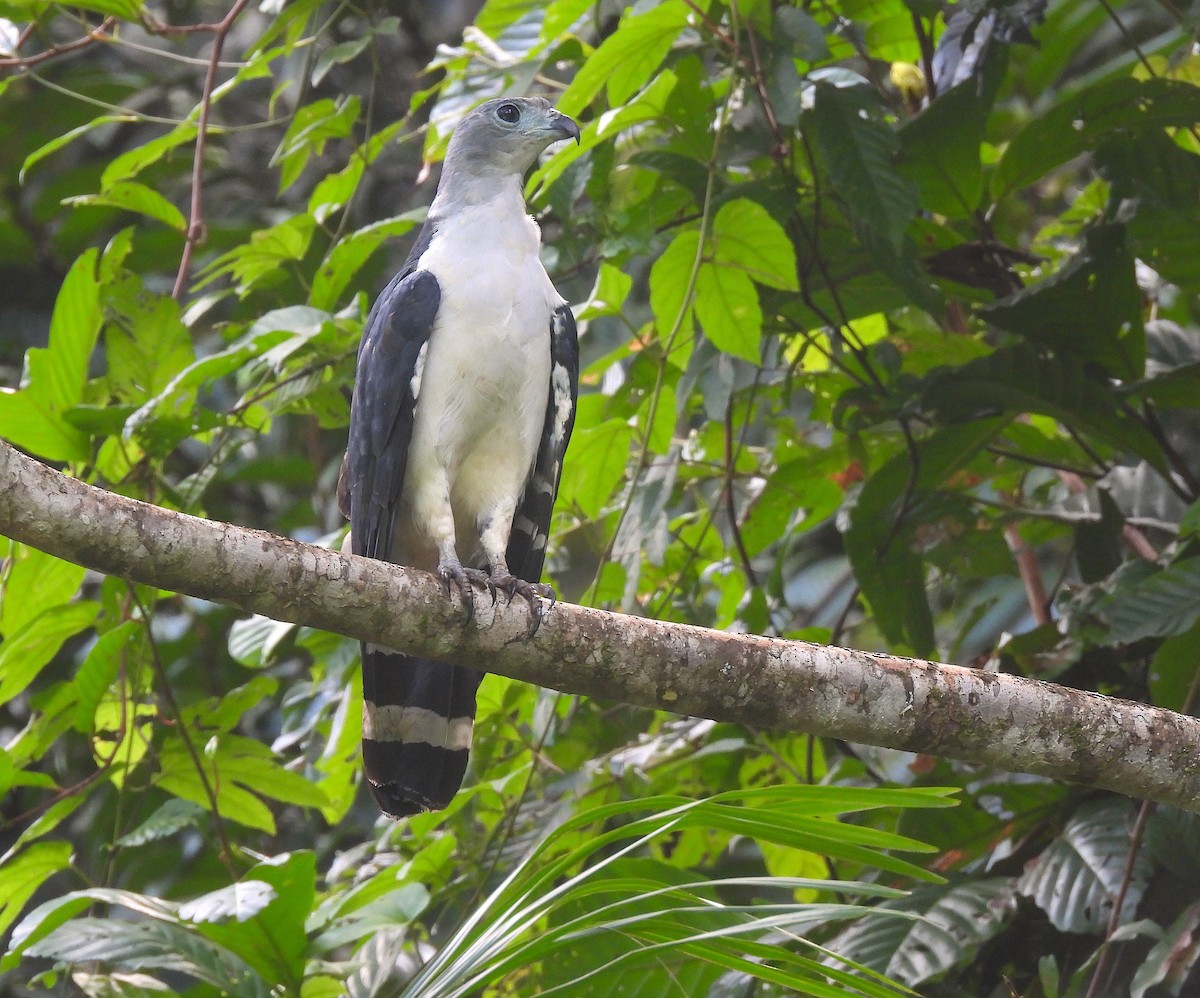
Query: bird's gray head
{"points": [[504, 137]]}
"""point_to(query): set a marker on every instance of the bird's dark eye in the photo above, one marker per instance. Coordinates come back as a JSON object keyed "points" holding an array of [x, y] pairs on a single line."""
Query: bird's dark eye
{"points": [[508, 112]]}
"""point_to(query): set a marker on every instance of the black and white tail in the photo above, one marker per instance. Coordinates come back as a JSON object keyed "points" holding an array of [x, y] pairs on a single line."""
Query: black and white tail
{"points": [[417, 720]]}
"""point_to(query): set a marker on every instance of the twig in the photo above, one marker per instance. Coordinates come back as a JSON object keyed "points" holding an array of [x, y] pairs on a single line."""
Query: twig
{"points": [[1031, 574], [926, 44], [164, 682], [195, 229], [100, 34], [1133, 537]]}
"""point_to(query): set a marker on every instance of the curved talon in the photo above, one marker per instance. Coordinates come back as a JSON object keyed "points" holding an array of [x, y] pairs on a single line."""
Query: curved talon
{"points": [[532, 592], [535, 613], [464, 579]]}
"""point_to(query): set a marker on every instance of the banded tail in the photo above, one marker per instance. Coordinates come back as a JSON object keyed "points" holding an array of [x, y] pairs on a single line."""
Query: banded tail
{"points": [[417, 721]]}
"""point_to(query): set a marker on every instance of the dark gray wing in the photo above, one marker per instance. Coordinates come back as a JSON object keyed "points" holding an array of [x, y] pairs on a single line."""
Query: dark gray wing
{"points": [[381, 412], [527, 542]]}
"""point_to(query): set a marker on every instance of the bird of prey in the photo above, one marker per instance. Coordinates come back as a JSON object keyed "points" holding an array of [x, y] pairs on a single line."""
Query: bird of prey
{"points": [[464, 399]]}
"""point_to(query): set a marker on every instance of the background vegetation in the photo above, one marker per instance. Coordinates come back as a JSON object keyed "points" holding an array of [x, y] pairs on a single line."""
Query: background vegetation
{"points": [[889, 319]]}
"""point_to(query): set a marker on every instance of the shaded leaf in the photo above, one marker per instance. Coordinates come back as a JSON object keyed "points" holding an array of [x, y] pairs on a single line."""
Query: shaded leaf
{"points": [[627, 59], [172, 816], [1084, 118], [956, 919], [1076, 878], [1091, 307], [20, 877], [28, 651], [1165, 602], [858, 150]]}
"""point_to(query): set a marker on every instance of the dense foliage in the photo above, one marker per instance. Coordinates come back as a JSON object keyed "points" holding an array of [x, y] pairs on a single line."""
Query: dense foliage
{"points": [[891, 325]]}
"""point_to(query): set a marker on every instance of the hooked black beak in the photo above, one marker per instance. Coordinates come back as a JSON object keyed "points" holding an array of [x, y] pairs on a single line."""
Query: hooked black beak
{"points": [[565, 126]]}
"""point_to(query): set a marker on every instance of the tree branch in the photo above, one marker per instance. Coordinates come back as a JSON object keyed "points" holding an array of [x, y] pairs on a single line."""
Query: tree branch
{"points": [[1004, 721]]}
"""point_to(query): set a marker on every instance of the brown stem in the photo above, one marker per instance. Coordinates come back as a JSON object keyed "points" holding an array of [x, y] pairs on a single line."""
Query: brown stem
{"points": [[1031, 574], [195, 229], [99, 34]]}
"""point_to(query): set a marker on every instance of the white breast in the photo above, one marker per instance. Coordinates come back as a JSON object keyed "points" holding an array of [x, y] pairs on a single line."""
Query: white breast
{"points": [[486, 373]]}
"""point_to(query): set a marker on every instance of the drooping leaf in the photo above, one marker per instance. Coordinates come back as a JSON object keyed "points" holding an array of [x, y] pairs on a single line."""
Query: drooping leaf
{"points": [[27, 652], [130, 196], [33, 416], [956, 919], [1084, 118], [1091, 307], [1025, 379], [627, 59], [22, 875], [858, 149], [1164, 602], [1076, 878]]}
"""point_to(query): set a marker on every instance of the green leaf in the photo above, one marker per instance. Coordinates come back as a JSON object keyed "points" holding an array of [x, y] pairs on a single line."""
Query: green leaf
{"points": [[237, 768], [728, 310], [744, 235], [1172, 959], [239, 902], [347, 257], [74, 327], [59, 141], [1083, 119], [258, 260], [172, 816], [130, 163], [597, 466], [114, 650], [339, 54], [1160, 182], [1091, 307], [627, 59], [858, 150], [148, 946], [21, 877], [27, 652], [399, 907], [940, 150], [223, 713], [1024, 379], [881, 546], [793, 500], [311, 127], [1077, 877], [955, 921], [33, 417], [32, 581], [670, 282], [273, 940], [647, 106], [1173, 669], [609, 292], [131, 196], [126, 10], [1163, 603], [145, 341]]}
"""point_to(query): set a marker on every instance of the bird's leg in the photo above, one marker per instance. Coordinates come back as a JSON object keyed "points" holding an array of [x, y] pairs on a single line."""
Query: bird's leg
{"points": [[433, 508], [494, 530]]}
